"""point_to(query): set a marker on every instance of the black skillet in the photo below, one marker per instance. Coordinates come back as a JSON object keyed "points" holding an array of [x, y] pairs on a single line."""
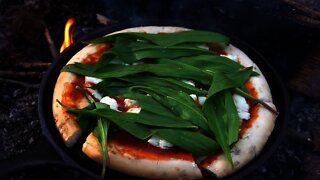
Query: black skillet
{"points": [[75, 158]]}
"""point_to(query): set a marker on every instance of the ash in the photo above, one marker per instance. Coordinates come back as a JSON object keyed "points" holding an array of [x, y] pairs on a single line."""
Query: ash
{"points": [[19, 126]]}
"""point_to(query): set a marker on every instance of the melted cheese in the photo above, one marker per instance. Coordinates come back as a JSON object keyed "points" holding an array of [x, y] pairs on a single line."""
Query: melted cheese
{"points": [[232, 57], [242, 107], [161, 143], [110, 101], [201, 100], [134, 110], [92, 80]]}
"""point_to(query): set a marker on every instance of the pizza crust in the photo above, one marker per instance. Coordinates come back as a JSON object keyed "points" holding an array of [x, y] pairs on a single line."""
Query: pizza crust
{"points": [[259, 82], [142, 167], [254, 139], [66, 125], [248, 147], [243, 151]]}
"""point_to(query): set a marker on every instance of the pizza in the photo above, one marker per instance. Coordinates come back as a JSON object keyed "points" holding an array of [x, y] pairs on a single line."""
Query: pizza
{"points": [[164, 102]]}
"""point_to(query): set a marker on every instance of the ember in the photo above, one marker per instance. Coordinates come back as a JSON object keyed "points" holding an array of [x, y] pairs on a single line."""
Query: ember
{"points": [[285, 32]]}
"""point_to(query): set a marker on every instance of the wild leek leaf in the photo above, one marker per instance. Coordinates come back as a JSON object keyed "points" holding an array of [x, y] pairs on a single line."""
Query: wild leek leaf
{"points": [[211, 63], [180, 104], [154, 114], [214, 111], [194, 142], [171, 52], [248, 96], [222, 81], [101, 132], [124, 50], [84, 123], [164, 68], [169, 39], [125, 121], [233, 120], [110, 86]]}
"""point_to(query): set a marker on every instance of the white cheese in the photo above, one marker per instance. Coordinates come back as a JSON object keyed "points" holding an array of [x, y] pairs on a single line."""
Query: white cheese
{"points": [[133, 106], [194, 97], [95, 93], [110, 101], [92, 80], [203, 47], [201, 100], [130, 103], [189, 82], [134, 110], [161, 143], [242, 107], [232, 57]]}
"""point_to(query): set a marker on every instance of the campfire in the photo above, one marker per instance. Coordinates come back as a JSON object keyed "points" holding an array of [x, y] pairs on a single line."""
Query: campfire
{"points": [[68, 40]]}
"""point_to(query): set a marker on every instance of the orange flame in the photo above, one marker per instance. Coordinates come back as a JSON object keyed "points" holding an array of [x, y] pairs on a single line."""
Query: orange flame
{"points": [[67, 35]]}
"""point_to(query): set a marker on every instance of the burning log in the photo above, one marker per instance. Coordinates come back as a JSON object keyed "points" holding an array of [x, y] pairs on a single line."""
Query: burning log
{"points": [[18, 75], [51, 43], [34, 66], [18, 83]]}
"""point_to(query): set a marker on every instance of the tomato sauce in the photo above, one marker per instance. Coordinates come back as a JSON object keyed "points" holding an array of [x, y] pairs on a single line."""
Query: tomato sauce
{"points": [[246, 124], [71, 96], [251, 89], [217, 48], [121, 105], [94, 57], [141, 149], [254, 109], [211, 158]]}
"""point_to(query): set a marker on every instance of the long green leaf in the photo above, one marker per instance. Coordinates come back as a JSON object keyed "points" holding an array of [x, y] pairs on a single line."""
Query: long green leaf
{"points": [[213, 110], [132, 121], [194, 142], [84, 122], [159, 82], [222, 81], [211, 63], [248, 96], [164, 67], [101, 132], [154, 114], [125, 51], [181, 104], [169, 52], [233, 120], [125, 121], [122, 51], [170, 39], [114, 86]]}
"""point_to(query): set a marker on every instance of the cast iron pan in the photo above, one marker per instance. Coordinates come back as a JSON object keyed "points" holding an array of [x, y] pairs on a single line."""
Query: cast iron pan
{"points": [[74, 156]]}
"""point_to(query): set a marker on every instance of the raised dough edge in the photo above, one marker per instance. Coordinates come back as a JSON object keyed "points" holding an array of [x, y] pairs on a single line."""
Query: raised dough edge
{"points": [[68, 128]]}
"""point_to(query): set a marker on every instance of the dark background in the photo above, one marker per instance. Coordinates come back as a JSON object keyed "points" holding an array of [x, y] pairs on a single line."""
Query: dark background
{"points": [[285, 32]]}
